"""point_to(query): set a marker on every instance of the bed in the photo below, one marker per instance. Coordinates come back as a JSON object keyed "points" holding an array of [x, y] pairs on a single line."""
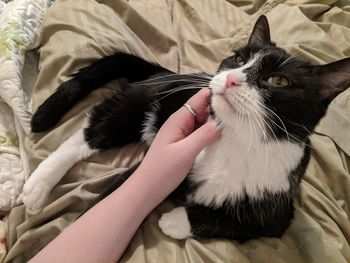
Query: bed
{"points": [[183, 36]]}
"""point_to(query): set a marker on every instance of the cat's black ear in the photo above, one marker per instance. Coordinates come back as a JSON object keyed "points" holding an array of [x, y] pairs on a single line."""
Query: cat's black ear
{"points": [[335, 78], [261, 33]]}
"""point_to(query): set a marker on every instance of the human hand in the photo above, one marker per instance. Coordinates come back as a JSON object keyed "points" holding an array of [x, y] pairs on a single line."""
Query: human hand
{"points": [[181, 138]]}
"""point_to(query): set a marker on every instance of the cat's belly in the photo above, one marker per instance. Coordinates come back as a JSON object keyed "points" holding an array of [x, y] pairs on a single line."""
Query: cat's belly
{"points": [[229, 169]]}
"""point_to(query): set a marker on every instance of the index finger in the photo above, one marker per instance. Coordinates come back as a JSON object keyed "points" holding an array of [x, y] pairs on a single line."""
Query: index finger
{"points": [[199, 103]]}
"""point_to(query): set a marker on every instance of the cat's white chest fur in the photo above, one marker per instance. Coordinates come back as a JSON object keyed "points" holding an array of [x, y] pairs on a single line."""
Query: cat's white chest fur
{"points": [[243, 164]]}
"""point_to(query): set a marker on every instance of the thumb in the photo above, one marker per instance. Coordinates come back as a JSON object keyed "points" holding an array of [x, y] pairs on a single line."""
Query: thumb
{"points": [[202, 137]]}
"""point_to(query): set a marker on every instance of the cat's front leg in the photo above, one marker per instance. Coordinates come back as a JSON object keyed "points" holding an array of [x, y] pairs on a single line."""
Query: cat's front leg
{"points": [[35, 191], [49, 172]]}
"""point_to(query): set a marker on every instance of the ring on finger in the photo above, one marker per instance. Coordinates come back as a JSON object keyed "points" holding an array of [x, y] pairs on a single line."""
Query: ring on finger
{"points": [[189, 108]]}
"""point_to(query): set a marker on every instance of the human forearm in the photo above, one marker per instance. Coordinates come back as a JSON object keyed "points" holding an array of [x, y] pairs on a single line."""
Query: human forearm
{"points": [[103, 233]]}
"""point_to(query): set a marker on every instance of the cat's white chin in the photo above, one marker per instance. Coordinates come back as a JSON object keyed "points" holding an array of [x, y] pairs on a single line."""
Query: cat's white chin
{"points": [[224, 109], [223, 99]]}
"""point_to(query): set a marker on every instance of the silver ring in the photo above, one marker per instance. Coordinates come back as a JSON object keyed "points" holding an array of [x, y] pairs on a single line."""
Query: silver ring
{"points": [[189, 108]]}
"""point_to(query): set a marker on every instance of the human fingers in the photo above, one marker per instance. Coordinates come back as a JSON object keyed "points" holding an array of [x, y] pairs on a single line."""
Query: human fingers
{"points": [[200, 138], [183, 121], [198, 103]]}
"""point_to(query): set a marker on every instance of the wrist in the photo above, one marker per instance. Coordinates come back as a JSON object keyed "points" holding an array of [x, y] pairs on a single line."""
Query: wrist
{"points": [[144, 189]]}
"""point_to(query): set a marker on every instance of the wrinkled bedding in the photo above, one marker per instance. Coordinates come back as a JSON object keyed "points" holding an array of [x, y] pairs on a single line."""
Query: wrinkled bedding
{"points": [[190, 36]]}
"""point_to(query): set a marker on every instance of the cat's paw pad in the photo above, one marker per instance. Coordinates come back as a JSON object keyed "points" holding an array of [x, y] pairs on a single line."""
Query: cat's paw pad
{"points": [[35, 194], [175, 223]]}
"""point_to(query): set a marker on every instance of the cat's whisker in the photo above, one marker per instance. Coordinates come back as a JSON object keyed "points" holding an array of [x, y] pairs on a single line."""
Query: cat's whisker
{"points": [[290, 135], [295, 53], [287, 60], [284, 127], [261, 119], [161, 77], [167, 76], [166, 79], [184, 87], [292, 56], [273, 134], [269, 127], [266, 123], [203, 75], [171, 82], [240, 121], [301, 126], [268, 147], [200, 229], [170, 92], [251, 138], [258, 119], [177, 90], [271, 111], [268, 152]]}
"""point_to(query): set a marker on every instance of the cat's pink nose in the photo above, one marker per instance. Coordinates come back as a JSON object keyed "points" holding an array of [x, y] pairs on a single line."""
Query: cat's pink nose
{"points": [[232, 81]]}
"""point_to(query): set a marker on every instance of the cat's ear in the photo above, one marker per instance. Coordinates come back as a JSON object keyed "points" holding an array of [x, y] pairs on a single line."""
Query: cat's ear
{"points": [[335, 78], [261, 33]]}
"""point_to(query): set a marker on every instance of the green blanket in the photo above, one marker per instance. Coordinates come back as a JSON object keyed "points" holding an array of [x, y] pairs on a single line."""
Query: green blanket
{"points": [[190, 36]]}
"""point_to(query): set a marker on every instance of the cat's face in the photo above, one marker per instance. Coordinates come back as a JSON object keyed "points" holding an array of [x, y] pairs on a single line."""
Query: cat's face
{"points": [[273, 92]]}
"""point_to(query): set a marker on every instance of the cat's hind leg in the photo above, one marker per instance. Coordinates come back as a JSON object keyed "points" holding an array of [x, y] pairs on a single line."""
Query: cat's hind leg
{"points": [[197, 221], [203, 222], [49, 172], [176, 223]]}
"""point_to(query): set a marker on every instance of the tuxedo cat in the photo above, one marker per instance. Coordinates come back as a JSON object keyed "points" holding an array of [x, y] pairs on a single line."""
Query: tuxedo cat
{"points": [[266, 103]]}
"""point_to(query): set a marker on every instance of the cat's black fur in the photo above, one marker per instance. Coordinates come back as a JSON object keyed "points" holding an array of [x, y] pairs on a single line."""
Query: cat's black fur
{"points": [[118, 121]]}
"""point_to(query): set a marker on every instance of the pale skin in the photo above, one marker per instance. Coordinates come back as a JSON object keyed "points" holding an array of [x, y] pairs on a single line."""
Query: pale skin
{"points": [[103, 233]]}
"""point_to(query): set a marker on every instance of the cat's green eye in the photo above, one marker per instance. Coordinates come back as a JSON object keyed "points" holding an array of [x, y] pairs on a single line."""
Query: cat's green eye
{"points": [[239, 60], [278, 81]]}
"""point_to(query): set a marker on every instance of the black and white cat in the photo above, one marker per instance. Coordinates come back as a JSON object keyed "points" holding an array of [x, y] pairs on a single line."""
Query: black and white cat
{"points": [[242, 186]]}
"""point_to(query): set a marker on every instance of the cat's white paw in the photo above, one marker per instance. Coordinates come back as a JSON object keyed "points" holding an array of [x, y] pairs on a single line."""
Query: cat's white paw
{"points": [[35, 194], [175, 223]]}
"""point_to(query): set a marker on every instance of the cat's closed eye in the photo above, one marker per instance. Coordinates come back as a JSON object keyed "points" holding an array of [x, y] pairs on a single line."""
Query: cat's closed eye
{"points": [[278, 81]]}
